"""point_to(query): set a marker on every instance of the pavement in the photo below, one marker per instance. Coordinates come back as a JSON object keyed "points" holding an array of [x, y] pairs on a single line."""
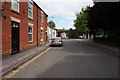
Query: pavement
{"points": [[11, 62], [110, 49]]}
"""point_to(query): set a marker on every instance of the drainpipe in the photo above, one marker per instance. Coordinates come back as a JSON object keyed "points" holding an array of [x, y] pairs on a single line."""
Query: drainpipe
{"points": [[37, 26]]}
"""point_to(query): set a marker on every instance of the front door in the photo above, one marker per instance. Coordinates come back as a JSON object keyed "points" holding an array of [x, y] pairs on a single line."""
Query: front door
{"points": [[15, 37]]}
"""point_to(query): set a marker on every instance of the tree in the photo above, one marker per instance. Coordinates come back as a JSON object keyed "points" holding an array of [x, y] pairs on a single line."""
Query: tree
{"points": [[104, 16], [81, 20], [53, 24]]}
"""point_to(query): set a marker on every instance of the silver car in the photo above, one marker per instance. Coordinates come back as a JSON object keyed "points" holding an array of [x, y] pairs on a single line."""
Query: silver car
{"points": [[57, 41]]}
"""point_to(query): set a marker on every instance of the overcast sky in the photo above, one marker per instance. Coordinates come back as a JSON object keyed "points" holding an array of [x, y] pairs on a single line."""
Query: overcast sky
{"points": [[63, 11]]}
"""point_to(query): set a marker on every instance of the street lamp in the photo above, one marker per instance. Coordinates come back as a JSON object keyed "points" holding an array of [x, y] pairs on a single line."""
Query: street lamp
{"points": [[51, 28]]}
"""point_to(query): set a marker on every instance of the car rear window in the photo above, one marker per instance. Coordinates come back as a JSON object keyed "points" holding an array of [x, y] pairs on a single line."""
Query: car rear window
{"points": [[57, 38]]}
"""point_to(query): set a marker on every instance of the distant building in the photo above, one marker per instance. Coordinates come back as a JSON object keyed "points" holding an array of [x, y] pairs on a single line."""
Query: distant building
{"points": [[62, 33], [73, 34], [51, 32], [54, 33], [67, 33]]}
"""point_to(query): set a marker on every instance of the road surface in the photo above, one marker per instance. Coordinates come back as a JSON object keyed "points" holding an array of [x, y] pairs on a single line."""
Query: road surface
{"points": [[75, 59]]}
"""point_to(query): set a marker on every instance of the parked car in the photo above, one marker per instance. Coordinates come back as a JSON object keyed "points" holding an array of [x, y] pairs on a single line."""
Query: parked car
{"points": [[57, 41]]}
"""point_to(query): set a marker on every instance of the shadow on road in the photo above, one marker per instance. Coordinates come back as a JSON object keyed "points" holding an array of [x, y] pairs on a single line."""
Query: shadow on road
{"points": [[78, 66]]}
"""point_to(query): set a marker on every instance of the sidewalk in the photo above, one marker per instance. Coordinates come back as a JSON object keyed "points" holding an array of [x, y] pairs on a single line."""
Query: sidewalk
{"points": [[10, 61], [110, 49]]}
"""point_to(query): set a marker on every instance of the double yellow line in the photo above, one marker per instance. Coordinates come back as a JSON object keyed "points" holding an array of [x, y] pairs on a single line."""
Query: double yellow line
{"points": [[26, 64]]}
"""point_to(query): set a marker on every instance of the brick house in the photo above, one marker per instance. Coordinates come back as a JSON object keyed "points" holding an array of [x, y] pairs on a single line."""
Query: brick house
{"points": [[24, 25]]}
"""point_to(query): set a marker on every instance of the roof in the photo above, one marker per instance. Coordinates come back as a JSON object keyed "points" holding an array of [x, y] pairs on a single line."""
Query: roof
{"points": [[39, 7], [61, 30]]}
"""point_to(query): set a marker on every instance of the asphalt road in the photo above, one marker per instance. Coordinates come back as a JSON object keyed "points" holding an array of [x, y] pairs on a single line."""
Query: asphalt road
{"points": [[75, 59]]}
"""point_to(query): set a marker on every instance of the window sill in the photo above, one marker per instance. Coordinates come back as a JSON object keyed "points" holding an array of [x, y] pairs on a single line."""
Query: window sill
{"points": [[41, 40], [30, 18], [30, 42], [15, 11]]}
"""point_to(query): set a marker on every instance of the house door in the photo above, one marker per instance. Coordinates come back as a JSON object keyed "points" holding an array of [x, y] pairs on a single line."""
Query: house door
{"points": [[46, 37], [15, 37]]}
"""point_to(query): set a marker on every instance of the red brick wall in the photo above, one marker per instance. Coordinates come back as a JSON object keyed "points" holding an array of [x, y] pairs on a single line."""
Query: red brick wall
{"points": [[23, 16], [44, 25], [45, 28], [6, 29], [39, 26], [23, 25], [0, 29]]}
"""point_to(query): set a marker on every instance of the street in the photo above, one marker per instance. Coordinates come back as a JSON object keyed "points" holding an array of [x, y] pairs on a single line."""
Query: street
{"points": [[75, 59]]}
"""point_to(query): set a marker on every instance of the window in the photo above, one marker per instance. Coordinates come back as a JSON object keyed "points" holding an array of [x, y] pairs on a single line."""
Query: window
{"points": [[15, 5], [41, 17], [30, 10], [30, 33], [41, 34]]}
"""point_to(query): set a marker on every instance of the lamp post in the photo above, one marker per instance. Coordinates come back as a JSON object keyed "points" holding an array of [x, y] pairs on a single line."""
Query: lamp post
{"points": [[51, 28]]}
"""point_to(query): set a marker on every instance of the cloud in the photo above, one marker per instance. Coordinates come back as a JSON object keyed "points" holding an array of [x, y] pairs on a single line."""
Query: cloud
{"points": [[67, 24], [65, 0], [65, 9]]}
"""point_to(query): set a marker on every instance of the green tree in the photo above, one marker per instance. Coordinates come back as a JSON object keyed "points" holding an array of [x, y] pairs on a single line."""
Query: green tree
{"points": [[104, 16], [81, 20], [53, 24]]}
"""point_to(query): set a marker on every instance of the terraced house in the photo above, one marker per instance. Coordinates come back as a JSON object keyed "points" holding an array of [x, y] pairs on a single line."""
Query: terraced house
{"points": [[24, 25]]}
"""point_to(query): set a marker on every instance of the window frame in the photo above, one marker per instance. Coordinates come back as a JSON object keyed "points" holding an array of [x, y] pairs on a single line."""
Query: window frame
{"points": [[12, 3], [29, 10], [42, 32], [30, 33]]}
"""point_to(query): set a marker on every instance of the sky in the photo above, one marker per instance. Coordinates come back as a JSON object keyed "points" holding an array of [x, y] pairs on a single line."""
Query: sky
{"points": [[63, 11]]}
